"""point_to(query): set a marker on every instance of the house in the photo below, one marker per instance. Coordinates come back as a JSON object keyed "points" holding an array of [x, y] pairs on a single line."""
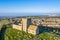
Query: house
{"points": [[33, 29], [19, 27]]}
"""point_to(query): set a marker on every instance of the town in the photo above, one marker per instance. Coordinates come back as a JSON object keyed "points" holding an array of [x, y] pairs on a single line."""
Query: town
{"points": [[32, 24]]}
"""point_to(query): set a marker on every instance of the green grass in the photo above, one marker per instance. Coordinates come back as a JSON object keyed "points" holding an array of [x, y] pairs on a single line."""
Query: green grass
{"points": [[4, 22], [48, 36], [0, 27], [13, 34]]}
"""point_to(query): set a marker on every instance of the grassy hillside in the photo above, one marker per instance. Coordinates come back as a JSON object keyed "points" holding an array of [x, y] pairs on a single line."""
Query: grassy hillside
{"points": [[13, 34], [48, 36], [2, 22]]}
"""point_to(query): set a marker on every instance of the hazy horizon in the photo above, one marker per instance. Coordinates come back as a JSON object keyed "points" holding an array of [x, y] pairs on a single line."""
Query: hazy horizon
{"points": [[28, 14]]}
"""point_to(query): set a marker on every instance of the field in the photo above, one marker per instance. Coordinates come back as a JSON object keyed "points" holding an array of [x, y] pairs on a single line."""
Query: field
{"points": [[2, 22], [13, 34]]}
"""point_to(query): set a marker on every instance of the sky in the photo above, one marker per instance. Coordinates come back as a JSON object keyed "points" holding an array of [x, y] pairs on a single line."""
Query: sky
{"points": [[29, 7]]}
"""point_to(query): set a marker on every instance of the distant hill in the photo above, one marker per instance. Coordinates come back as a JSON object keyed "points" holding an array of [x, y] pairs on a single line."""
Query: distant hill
{"points": [[54, 14]]}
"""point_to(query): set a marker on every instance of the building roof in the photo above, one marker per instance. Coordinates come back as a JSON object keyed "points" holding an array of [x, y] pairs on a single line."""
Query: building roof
{"points": [[32, 27]]}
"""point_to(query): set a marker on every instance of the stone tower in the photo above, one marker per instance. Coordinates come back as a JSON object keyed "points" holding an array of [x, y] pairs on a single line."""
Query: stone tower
{"points": [[25, 23]]}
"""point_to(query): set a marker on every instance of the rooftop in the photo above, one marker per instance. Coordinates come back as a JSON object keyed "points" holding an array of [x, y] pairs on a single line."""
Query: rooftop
{"points": [[32, 27]]}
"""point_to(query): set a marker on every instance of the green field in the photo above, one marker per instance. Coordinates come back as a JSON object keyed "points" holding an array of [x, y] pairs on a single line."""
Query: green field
{"points": [[4, 22], [0, 27], [13, 34], [48, 36]]}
